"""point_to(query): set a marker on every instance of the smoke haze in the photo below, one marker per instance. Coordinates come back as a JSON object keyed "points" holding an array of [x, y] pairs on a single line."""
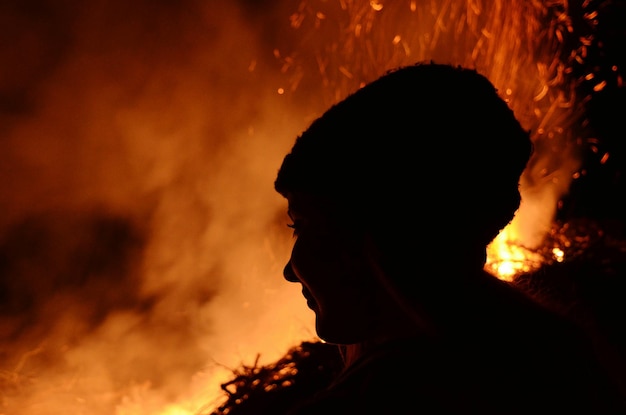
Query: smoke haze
{"points": [[139, 234]]}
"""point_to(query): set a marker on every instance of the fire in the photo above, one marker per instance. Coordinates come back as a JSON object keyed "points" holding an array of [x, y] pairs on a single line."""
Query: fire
{"points": [[518, 44], [140, 142], [506, 258]]}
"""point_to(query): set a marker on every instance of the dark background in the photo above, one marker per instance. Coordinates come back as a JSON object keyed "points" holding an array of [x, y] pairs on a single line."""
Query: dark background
{"points": [[599, 192]]}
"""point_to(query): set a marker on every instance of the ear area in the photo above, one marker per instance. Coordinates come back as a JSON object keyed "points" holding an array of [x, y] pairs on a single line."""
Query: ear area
{"points": [[388, 279]]}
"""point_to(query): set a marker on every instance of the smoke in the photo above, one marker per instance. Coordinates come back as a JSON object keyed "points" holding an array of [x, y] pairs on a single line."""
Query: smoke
{"points": [[140, 244]]}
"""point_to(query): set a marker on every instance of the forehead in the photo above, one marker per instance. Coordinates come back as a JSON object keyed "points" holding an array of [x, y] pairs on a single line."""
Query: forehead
{"points": [[326, 213], [307, 205]]}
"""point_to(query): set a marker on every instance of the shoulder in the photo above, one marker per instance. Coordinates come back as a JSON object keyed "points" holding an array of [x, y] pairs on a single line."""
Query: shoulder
{"points": [[400, 377], [534, 352]]}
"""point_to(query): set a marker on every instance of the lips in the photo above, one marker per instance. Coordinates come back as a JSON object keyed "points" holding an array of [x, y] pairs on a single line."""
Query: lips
{"points": [[310, 302]]}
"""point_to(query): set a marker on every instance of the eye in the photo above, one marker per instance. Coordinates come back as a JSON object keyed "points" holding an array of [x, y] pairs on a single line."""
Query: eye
{"points": [[295, 227]]}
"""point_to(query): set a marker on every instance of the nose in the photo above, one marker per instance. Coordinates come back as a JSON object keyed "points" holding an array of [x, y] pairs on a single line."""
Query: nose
{"points": [[289, 273]]}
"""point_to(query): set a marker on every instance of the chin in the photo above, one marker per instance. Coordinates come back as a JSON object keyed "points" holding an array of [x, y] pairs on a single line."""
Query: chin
{"points": [[335, 335]]}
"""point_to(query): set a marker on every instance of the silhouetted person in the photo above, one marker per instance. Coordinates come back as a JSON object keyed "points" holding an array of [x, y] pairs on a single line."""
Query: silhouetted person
{"points": [[394, 194]]}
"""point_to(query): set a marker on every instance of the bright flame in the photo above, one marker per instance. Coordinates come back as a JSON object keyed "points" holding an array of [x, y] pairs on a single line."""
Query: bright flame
{"points": [[506, 258]]}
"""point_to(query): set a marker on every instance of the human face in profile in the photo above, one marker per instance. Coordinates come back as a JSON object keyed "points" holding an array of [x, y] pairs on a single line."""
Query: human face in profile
{"points": [[331, 264]]}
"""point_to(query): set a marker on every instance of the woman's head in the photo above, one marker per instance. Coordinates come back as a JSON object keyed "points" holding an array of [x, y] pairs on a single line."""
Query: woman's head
{"points": [[329, 261], [418, 163]]}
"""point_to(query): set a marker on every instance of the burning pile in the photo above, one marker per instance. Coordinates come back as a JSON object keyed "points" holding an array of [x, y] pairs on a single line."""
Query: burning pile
{"points": [[274, 388]]}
